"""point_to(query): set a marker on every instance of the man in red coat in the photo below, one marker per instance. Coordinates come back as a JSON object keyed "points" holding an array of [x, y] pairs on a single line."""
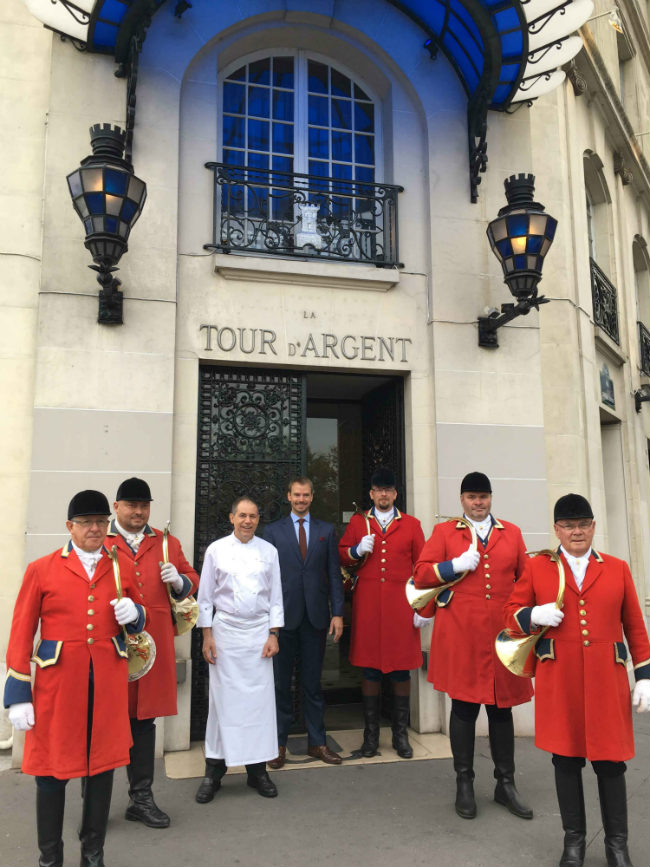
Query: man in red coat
{"points": [[76, 720], [384, 637], [582, 693], [154, 694], [463, 662]]}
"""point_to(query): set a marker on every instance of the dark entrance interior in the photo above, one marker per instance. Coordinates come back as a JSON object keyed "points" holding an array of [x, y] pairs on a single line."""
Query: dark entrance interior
{"points": [[259, 427]]}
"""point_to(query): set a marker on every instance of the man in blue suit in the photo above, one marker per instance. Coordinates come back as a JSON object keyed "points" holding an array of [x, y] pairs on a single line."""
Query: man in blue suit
{"points": [[311, 583]]}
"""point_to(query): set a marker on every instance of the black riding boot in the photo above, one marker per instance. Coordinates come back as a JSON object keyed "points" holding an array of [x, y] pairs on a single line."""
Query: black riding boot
{"points": [[613, 808], [142, 807], [94, 818], [371, 706], [461, 736], [211, 782], [571, 800], [502, 747], [401, 710], [50, 805]]}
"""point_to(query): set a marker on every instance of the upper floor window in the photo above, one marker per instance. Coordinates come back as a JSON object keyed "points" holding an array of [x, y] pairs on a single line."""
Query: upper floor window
{"points": [[294, 113], [299, 153]]}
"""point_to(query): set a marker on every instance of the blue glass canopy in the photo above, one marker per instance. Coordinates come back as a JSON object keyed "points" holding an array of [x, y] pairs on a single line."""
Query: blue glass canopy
{"points": [[485, 40]]}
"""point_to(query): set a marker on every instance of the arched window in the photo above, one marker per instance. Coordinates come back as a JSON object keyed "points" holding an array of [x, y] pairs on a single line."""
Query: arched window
{"points": [[300, 151]]}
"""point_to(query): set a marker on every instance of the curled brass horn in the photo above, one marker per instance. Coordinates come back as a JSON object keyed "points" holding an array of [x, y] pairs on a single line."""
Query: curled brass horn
{"points": [[517, 651], [417, 598], [140, 646], [185, 612]]}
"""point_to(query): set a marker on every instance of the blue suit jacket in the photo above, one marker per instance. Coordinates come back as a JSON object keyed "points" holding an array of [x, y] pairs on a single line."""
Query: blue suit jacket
{"points": [[309, 587]]}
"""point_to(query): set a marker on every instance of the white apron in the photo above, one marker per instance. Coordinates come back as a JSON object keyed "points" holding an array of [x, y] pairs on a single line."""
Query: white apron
{"points": [[241, 726]]}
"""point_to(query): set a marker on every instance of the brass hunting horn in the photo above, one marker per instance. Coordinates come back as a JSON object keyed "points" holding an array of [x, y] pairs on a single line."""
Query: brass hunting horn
{"points": [[184, 611], [417, 599], [517, 651], [140, 646], [349, 572]]}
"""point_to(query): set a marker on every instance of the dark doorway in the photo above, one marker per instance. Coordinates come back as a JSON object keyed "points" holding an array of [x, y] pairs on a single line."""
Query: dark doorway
{"points": [[259, 427]]}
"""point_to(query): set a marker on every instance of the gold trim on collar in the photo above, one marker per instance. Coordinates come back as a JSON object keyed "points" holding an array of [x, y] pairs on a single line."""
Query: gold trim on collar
{"points": [[65, 551], [596, 555], [497, 523]]}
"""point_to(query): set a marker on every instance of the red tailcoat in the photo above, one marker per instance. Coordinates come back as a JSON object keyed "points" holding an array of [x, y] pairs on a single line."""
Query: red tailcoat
{"points": [[582, 693], [463, 662], [78, 629], [383, 635], [155, 694]]}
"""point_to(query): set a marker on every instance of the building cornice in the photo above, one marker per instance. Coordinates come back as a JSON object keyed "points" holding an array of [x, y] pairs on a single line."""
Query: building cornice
{"points": [[589, 75]]}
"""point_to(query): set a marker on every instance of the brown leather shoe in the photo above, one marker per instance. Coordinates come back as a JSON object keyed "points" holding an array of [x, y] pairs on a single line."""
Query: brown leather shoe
{"points": [[325, 754], [278, 762]]}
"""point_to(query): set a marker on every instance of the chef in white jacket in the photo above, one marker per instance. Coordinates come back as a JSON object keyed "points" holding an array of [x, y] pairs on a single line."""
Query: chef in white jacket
{"points": [[240, 612]]}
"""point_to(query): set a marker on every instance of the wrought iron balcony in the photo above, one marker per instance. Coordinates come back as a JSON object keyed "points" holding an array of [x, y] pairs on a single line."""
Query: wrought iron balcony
{"points": [[605, 303], [260, 211], [644, 348]]}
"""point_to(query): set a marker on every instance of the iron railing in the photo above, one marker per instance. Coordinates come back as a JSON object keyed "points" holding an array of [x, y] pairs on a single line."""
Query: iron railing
{"points": [[644, 348], [605, 303], [260, 211]]}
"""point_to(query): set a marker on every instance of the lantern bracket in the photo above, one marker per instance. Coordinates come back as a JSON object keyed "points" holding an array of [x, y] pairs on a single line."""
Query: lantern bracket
{"points": [[487, 325]]}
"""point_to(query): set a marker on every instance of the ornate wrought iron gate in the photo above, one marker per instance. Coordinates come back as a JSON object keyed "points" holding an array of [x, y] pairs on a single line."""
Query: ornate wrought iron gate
{"points": [[251, 440], [383, 436]]}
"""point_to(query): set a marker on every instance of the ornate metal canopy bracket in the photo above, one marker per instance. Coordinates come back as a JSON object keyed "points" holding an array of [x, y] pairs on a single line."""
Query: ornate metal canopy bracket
{"points": [[477, 111]]}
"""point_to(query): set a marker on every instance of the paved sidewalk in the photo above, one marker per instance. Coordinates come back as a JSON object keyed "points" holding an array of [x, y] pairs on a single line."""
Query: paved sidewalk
{"points": [[398, 813]]}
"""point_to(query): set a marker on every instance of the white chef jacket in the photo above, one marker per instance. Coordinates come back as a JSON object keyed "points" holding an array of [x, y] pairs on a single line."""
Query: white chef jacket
{"points": [[241, 578]]}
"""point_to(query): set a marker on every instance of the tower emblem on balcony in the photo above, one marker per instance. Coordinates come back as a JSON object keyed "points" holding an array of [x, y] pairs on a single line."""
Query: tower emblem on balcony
{"points": [[308, 231]]}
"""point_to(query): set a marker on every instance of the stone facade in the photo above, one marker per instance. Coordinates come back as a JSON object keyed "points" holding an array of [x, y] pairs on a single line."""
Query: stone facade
{"points": [[87, 405]]}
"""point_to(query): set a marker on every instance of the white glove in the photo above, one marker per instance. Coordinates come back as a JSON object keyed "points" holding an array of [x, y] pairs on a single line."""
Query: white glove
{"points": [[21, 716], [125, 610], [467, 562], [421, 622], [546, 615], [169, 574], [641, 696], [366, 545]]}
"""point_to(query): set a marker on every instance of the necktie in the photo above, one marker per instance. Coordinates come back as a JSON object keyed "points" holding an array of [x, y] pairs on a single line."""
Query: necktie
{"points": [[302, 538]]}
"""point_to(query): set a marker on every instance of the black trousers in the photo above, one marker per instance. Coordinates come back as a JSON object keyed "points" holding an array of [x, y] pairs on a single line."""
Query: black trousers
{"points": [[310, 644]]}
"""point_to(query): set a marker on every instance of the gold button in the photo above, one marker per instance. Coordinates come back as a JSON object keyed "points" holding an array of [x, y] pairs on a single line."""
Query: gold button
{"points": [[583, 623], [139, 583], [90, 640], [91, 611], [582, 612], [582, 602], [487, 575], [382, 580], [585, 632], [586, 643], [487, 596], [92, 586], [89, 626], [91, 598], [383, 568], [383, 559], [138, 574], [485, 556], [488, 586], [135, 562]]}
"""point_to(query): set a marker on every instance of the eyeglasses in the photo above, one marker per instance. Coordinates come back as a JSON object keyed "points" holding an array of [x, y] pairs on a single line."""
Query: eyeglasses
{"points": [[574, 525], [100, 522]]}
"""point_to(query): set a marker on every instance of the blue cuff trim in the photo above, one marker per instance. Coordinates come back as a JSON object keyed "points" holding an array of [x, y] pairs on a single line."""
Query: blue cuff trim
{"points": [[545, 649], [446, 571], [17, 690], [138, 626], [185, 591], [642, 672], [444, 597], [523, 619], [354, 553]]}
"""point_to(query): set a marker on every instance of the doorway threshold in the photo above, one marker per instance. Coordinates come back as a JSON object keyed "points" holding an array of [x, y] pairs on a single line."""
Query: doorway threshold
{"points": [[187, 764]]}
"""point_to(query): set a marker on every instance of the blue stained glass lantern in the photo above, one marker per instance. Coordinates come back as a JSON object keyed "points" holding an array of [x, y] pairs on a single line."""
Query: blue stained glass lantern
{"points": [[108, 198], [521, 237]]}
